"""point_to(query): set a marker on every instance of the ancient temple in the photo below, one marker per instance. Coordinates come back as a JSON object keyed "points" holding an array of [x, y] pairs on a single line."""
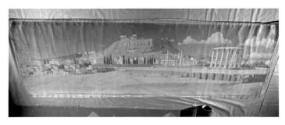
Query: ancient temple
{"points": [[138, 45], [226, 57]]}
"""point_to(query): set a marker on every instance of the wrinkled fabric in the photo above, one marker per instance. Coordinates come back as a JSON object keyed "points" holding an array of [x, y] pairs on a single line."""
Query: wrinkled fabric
{"points": [[235, 15], [40, 39]]}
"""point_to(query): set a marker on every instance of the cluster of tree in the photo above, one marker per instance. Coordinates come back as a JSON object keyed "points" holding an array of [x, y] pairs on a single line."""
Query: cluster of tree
{"points": [[129, 60]]}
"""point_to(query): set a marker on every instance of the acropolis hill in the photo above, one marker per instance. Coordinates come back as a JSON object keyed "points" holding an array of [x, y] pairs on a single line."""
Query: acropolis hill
{"points": [[130, 44]]}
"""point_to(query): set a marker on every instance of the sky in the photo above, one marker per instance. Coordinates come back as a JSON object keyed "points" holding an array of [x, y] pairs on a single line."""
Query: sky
{"points": [[60, 38]]}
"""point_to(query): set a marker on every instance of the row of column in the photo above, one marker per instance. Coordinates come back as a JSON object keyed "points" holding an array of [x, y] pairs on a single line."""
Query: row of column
{"points": [[226, 58]]}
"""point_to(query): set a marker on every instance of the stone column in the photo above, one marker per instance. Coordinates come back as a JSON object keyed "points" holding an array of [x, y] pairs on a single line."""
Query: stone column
{"points": [[227, 58], [216, 58], [212, 59], [221, 58]]}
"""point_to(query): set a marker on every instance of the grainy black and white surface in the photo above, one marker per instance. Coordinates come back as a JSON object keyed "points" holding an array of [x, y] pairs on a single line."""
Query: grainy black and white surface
{"points": [[142, 67]]}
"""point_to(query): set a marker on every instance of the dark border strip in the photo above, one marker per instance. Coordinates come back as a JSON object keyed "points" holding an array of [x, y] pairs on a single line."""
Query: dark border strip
{"points": [[152, 20]]}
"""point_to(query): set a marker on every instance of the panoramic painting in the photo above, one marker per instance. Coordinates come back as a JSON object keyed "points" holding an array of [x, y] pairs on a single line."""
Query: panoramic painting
{"points": [[75, 60]]}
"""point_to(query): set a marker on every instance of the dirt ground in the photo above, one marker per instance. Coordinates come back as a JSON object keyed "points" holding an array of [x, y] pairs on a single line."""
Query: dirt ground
{"points": [[126, 83]]}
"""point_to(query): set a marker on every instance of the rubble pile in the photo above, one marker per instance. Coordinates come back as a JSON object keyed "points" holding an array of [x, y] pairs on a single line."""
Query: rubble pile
{"points": [[80, 64]]}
